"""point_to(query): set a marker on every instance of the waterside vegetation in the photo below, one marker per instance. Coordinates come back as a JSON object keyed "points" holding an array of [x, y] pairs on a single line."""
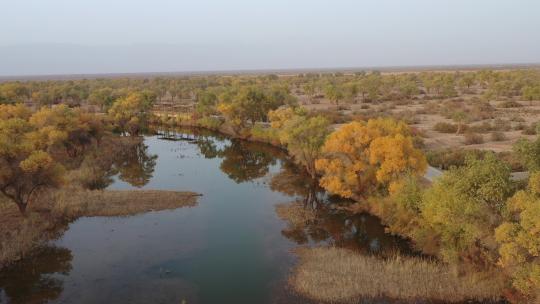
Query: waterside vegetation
{"points": [[474, 219]]}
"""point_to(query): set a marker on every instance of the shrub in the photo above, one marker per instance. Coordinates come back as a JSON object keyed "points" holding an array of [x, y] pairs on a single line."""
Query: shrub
{"points": [[473, 139], [268, 135], [516, 118], [529, 130], [484, 127], [212, 123], [501, 125], [520, 126], [498, 136], [406, 116], [481, 111], [446, 158], [510, 104], [445, 127], [512, 160], [431, 108], [332, 116]]}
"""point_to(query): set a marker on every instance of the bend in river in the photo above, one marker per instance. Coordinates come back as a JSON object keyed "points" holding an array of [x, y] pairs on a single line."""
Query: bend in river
{"points": [[230, 248]]}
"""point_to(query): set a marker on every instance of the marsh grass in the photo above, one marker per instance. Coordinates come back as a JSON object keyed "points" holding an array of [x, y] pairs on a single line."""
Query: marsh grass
{"points": [[74, 204], [332, 274], [20, 235], [18, 243]]}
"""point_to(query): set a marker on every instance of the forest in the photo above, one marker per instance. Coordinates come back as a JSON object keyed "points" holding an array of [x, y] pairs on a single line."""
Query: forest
{"points": [[366, 137]]}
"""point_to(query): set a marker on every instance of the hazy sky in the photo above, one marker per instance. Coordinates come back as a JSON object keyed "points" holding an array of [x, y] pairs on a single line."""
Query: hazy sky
{"points": [[108, 36]]}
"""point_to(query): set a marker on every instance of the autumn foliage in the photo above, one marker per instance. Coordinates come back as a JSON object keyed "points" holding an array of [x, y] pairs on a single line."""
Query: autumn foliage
{"points": [[362, 156], [519, 238]]}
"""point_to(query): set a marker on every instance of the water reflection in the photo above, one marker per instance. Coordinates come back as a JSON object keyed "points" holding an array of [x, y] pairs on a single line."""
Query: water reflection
{"points": [[293, 182], [36, 279], [183, 254], [134, 164], [311, 217], [244, 161], [126, 158]]}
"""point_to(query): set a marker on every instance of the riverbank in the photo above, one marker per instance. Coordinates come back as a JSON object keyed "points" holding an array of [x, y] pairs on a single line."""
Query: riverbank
{"points": [[50, 216], [338, 275], [448, 278]]}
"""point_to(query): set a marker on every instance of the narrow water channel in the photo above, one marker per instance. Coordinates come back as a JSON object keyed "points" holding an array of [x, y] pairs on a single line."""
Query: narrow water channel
{"points": [[230, 248]]}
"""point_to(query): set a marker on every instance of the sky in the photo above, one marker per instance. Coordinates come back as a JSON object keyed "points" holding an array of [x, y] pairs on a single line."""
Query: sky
{"points": [[40, 37]]}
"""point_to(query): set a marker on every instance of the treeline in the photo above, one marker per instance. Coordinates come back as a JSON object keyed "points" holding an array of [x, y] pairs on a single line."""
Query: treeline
{"points": [[60, 146], [474, 215], [337, 87]]}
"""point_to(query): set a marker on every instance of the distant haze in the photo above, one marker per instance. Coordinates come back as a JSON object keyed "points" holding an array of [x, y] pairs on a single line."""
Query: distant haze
{"points": [[40, 37]]}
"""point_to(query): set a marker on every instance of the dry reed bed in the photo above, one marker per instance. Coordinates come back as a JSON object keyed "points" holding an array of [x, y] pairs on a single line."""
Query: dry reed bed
{"points": [[120, 202], [19, 235], [332, 274]]}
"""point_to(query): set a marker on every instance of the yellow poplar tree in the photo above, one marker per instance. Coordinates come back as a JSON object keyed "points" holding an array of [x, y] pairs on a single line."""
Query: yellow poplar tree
{"points": [[360, 156]]}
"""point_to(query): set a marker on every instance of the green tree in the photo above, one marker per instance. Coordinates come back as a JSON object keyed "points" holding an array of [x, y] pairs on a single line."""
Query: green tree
{"points": [[528, 153], [466, 80], [304, 138], [531, 92], [250, 105], [25, 166], [131, 113], [206, 103], [309, 90], [464, 206], [103, 98], [459, 117], [519, 239], [408, 88], [333, 93]]}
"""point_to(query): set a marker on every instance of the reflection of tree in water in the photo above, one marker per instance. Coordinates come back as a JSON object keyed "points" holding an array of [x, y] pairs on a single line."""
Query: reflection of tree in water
{"points": [[312, 220], [294, 182], [32, 280], [244, 161], [207, 146], [362, 232], [135, 165], [127, 157], [241, 160]]}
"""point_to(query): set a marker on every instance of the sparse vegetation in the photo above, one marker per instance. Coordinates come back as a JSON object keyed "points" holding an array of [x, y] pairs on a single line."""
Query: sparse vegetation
{"points": [[498, 136], [473, 139], [358, 134], [445, 127]]}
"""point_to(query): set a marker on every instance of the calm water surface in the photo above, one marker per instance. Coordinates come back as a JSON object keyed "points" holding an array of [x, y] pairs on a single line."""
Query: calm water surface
{"points": [[230, 248]]}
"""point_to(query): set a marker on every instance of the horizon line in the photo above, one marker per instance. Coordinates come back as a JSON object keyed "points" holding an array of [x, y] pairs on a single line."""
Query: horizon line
{"points": [[266, 71]]}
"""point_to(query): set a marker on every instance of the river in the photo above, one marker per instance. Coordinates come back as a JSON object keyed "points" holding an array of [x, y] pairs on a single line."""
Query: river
{"points": [[230, 248]]}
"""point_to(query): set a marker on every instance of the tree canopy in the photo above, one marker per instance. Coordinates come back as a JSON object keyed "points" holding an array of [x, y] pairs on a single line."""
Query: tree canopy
{"points": [[360, 156]]}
